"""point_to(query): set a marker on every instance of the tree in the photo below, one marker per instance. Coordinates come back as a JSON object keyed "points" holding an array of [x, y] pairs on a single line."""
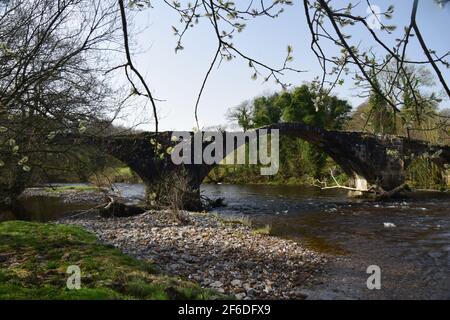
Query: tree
{"points": [[381, 118], [266, 111], [319, 109], [300, 104], [51, 81], [425, 121], [327, 24], [242, 115]]}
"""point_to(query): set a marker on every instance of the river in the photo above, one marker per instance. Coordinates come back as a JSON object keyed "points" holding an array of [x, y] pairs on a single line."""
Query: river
{"points": [[409, 239]]}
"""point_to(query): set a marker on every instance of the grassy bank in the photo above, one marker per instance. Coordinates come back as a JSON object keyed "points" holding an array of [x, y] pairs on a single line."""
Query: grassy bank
{"points": [[34, 258], [62, 189], [114, 175]]}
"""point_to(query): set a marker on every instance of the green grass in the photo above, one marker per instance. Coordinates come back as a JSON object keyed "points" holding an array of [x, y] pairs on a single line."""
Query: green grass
{"points": [[245, 221], [71, 188], [34, 258], [265, 230], [125, 171], [115, 175]]}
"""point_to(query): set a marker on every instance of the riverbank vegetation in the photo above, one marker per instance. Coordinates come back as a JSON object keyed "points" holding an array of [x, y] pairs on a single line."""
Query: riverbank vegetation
{"points": [[34, 258], [302, 163]]}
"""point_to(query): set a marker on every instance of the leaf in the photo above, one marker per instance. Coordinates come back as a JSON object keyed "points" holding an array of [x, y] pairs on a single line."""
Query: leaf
{"points": [[51, 135]]}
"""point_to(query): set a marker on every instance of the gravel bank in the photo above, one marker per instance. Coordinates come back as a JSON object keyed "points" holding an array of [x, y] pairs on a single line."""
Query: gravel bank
{"points": [[67, 195], [230, 258]]}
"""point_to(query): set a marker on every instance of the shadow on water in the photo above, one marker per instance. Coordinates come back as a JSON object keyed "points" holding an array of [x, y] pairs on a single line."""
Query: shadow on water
{"points": [[51, 205], [43, 209]]}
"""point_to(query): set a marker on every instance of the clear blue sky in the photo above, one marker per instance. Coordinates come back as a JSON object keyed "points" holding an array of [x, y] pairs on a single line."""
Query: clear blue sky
{"points": [[177, 78]]}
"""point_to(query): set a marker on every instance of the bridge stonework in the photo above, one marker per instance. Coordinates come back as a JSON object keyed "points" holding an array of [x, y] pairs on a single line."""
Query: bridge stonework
{"points": [[376, 160]]}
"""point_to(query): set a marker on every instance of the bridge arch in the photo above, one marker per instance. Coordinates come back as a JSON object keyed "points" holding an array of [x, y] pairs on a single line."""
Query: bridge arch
{"points": [[378, 159]]}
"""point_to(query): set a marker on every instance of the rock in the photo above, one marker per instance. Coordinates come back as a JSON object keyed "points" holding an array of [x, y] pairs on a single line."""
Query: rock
{"points": [[227, 258], [251, 292], [174, 266], [240, 296], [299, 294], [216, 284], [236, 283]]}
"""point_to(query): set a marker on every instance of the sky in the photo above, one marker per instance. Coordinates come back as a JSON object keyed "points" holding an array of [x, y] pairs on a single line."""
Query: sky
{"points": [[177, 78]]}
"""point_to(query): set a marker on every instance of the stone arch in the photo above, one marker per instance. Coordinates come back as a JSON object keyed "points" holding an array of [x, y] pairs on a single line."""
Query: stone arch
{"points": [[380, 160]]}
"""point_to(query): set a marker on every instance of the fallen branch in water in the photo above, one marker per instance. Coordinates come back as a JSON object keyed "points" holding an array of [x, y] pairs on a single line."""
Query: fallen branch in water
{"points": [[389, 194], [113, 208], [118, 209], [339, 186], [95, 209], [213, 203], [378, 192]]}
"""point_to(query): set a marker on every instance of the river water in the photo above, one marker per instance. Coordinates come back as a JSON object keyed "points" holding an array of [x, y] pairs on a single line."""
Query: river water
{"points": [[408, 239]]}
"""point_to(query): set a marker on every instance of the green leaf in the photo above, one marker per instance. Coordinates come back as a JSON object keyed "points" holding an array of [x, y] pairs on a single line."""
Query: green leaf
{"points": [[51, 135]]}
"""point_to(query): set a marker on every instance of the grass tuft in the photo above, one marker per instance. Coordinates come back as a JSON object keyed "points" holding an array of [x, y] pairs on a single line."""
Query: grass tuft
{"points": [[266, 230]]}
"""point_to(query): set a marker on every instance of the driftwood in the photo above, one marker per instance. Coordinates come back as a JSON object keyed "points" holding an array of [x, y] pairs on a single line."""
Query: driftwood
{"points": [[339, 186], [389, 194], [118, 209], [213, 203], [378, 192]]}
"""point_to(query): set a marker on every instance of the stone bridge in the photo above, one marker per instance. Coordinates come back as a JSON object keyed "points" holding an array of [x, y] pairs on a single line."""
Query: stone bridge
{"points": [[376, 160]]}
